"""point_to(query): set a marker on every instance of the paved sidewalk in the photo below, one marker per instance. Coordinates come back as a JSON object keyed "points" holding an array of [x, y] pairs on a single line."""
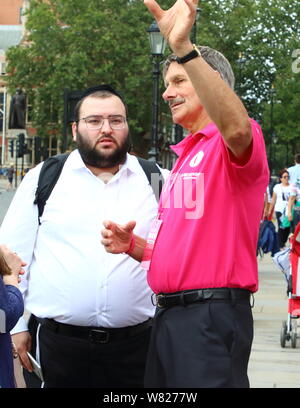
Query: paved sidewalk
{"points": [[270, 365], [5, 198]]}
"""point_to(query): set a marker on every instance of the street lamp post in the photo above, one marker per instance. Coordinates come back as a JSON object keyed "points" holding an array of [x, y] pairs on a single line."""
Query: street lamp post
{"points": [[241, 62], [272, 131], [194, 30], [157, 46], [3, 112]]}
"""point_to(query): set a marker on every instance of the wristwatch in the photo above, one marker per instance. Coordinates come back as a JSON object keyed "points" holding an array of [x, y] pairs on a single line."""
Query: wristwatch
{"points": [[191, 55]]}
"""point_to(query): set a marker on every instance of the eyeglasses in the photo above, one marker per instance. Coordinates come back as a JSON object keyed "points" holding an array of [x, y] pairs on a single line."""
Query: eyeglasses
{"points": [[116, 122], [285, 177]]}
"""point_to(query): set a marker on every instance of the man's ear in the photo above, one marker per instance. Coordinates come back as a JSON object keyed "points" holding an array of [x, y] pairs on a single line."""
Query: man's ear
{"points": [[74, 130]]}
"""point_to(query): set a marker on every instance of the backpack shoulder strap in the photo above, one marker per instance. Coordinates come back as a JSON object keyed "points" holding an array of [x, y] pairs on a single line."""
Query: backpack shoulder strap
{"points": [[48, 177], [150, 168]]}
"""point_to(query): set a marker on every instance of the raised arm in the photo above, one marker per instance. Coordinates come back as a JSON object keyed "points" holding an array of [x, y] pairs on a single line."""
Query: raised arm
{"points": [[220, 102]]}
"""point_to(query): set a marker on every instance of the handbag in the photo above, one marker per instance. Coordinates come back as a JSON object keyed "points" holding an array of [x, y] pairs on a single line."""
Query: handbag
{"points": [[284, 221]]}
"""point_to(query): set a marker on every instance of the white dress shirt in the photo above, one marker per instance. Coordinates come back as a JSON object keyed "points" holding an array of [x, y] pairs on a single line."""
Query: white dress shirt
{"points": [[69, 275]]}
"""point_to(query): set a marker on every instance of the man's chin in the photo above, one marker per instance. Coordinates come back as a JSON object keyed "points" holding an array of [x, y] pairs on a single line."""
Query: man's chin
{"points": [[176, 119], [107, 151]]}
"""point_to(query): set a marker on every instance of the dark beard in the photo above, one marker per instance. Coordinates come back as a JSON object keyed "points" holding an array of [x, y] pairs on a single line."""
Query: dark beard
{"points": [[92, 157]]}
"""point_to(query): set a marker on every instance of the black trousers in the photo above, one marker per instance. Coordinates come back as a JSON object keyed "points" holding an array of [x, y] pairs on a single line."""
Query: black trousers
{"points": [[201, 345], [71, 362]]}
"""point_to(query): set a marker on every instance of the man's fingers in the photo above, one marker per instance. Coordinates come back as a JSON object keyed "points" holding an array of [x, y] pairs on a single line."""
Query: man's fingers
{"points": [[106, 242], [154, 8], [25, 361], [107, 224], [111, 227], [192, 4], [129, 226], [106, 233]]}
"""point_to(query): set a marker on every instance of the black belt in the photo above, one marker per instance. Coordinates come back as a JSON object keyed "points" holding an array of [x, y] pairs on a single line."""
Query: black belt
{"points": [[186, 297], [94, 334]]}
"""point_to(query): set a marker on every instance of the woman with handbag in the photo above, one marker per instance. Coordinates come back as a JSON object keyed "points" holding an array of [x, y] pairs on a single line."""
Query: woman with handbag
{"points": [[11, 309], [280, 197]]}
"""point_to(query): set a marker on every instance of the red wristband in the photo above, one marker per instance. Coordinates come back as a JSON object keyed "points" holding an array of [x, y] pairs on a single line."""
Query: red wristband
{"points": [[131, 246]]}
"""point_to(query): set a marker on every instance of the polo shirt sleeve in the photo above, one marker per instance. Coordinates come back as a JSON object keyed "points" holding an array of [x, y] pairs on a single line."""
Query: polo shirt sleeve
{"points": [[256, 169]]}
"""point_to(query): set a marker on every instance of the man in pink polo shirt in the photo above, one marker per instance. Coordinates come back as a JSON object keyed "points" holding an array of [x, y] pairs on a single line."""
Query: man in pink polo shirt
{"points": [[201, 251]]}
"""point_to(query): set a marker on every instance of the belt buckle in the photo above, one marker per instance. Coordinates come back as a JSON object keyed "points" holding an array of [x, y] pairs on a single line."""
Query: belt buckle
{"points": [[99, 336], [157, 300]]}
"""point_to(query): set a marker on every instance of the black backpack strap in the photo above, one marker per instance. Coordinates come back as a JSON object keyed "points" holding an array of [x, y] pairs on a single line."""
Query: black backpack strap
{"points": [[48, 177], [150, 168]]}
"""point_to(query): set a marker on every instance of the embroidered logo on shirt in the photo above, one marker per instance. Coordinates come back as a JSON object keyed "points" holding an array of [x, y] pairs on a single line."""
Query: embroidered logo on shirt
{"points": [[185, 191], [197, 159]]}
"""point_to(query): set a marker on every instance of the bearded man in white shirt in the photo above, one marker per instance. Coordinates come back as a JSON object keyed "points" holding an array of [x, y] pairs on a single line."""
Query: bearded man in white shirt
{"points": [[90, 311]]}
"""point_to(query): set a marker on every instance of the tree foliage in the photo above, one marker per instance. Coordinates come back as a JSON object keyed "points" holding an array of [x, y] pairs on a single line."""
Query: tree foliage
{"points": [[74, 44]]}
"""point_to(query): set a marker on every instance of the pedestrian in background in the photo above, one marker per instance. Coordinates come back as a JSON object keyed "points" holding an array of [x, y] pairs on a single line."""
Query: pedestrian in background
{"points": [[279, 204], [10, 176], [293, 208], [267, 202], [11, 309], [90, 312], [294, 171]]}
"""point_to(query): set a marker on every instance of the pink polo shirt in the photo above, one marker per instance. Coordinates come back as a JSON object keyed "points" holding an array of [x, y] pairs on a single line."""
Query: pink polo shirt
{"points": [[210, 211]]}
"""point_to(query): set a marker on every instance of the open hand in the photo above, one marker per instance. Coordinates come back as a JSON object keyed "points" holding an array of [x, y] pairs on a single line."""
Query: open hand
{"points": [[176, 23], [117, 238]]}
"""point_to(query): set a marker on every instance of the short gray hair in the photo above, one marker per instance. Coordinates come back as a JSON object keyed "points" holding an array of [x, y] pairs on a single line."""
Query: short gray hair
{"points": [[214, 58]]}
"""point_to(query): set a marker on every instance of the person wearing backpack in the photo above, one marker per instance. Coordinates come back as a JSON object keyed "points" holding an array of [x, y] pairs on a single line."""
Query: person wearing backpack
{"points": [[91, 313]]}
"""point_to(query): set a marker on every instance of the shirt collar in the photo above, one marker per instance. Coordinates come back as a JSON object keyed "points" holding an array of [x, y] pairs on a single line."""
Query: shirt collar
{"points": [[207, 132], [76, 161]]}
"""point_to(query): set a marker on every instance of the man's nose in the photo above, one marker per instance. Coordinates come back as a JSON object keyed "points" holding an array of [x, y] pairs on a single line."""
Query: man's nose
{"points": [[169, 93], [106, 128]]}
